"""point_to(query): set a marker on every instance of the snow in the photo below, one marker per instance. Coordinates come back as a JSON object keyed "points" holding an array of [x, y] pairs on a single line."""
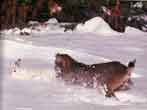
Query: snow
{"points": [[131, 30], [26, 30], [34, 87], [96, 25], [52, 21]]}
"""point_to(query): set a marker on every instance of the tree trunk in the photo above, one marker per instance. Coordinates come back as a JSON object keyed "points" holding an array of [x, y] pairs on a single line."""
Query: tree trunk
{"points": [[38, 8], [8, 14], [23, 10]]}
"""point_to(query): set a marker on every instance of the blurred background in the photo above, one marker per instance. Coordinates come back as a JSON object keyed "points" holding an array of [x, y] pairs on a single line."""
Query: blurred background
{"points": [[19, 12]]}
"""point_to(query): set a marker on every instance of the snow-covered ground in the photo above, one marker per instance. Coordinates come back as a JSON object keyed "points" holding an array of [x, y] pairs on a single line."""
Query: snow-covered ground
{"points": [[34, 86]]}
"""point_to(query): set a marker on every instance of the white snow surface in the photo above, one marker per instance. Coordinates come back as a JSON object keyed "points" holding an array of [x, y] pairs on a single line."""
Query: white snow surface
{"points": [[34, 87], [96, 25]]}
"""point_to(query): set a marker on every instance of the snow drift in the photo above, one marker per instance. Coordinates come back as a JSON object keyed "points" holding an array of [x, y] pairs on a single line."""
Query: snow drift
{"points": [[131, 31], [96, 25]]}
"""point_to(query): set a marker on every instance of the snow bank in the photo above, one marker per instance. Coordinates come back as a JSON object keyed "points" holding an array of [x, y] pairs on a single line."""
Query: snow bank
{"points": [[50, 26], [28, 30], [133, 31], [52, 21], [11, 31], [96, 25]]}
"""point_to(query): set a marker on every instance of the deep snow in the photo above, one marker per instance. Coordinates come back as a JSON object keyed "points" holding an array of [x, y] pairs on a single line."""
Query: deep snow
{"points": [[34, 86]]}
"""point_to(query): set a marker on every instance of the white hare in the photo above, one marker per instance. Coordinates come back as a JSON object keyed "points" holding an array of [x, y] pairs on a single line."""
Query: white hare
{"points": [[19, 70]]}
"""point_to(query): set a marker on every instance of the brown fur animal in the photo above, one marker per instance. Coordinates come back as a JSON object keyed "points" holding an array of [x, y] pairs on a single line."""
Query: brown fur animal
{"points": [[68, 68], [112, 74]]}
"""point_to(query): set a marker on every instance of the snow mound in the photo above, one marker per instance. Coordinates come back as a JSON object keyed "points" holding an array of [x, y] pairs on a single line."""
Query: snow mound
{"points": [[96, 25], [52, 21], [11, 31], [130, 30], [50, 26], [28, 30], [35, 28]]}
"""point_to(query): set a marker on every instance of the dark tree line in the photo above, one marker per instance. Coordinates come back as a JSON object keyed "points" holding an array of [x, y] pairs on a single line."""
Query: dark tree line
{"points": [[13, 13], [18, 12], [8, 13]]}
